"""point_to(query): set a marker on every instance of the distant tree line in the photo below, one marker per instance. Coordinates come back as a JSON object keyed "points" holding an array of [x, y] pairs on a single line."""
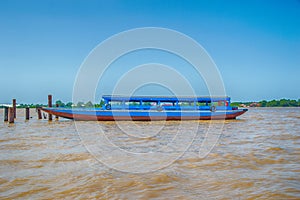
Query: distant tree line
{"points": [[89, 104], [280, 103], [272, 103], [27, 105], [59, 103], [80, 104]]}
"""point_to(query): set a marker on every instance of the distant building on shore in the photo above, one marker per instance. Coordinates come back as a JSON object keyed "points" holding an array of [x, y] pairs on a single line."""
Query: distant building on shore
{"points": [[252, 104]]}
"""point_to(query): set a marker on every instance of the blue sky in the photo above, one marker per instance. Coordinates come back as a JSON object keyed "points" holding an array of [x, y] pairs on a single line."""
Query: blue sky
{"points": [[255, 44]]}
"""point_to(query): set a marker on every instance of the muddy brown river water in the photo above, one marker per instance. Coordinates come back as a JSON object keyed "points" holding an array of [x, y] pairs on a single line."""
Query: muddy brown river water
{"points": [[254, 157]]}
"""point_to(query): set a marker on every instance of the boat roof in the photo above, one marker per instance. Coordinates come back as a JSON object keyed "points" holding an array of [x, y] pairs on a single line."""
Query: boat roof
{"points": [[165, 98]]}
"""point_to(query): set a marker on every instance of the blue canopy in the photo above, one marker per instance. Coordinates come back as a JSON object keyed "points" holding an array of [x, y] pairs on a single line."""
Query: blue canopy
{"points": [[165, 98]]}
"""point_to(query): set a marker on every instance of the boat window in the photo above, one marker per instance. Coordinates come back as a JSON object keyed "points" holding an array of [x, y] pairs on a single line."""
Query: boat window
{"points": [[220, 103], [186, 103], [153, 103], [213, 104], [201, 104], [132, 103], [166, 103], [147, 103], [116, 102]]}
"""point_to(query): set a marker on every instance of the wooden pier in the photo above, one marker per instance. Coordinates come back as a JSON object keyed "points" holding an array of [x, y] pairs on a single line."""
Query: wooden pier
{"points": [[39, 113], [5, 114], [10, 111], [49, 105], [11, 115], [27, 113], [14, 104]]}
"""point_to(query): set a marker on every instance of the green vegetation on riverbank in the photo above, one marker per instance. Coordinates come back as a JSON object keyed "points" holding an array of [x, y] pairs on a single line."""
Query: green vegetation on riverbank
{"points": [[59, 103], [272, 103], [89, 104]]}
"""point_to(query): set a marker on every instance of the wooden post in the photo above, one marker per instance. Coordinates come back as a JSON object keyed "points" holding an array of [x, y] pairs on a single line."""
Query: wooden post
{"points": [[27, 113], [5, 114], [56, 117], [39, 113], [11, 115], [14, 102], [49, 105]]}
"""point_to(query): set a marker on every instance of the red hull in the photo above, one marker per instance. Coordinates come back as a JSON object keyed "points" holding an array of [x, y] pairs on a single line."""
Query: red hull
{"points": [[84, 117]]}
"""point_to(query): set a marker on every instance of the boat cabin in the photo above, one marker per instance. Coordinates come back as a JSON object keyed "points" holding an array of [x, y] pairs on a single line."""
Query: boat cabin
{"points": [[165, 103]]}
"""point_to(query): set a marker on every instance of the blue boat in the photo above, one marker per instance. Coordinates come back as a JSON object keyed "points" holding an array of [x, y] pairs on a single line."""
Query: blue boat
{"points": [[149, 108]]}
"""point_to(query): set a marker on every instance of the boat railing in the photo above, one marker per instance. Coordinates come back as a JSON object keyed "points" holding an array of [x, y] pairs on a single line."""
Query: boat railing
{"points": [[159, 107], [166, 103]]}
